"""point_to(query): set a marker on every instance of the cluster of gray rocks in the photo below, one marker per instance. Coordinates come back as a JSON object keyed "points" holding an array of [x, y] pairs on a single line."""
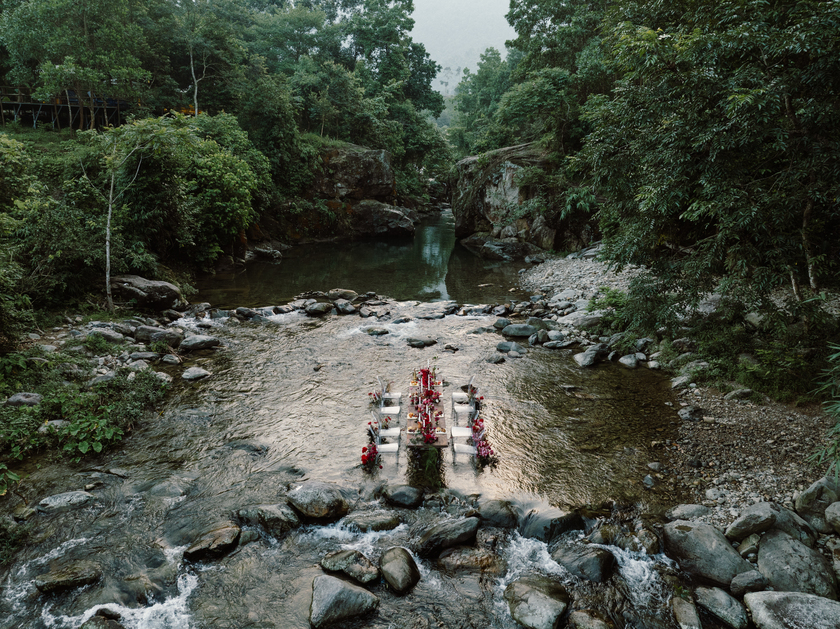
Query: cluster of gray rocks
{"points": [[763, 569], [769, 557]]}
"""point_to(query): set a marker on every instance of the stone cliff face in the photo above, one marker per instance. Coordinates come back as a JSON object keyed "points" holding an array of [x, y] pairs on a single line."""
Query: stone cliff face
{"points": [[352, 197], [355, 174], [487, 203]]}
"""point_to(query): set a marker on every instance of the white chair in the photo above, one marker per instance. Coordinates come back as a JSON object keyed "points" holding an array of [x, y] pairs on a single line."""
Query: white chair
{"points": [[462, 409], [378, 434], [462, 448], [463, 397], [466, 431], [388, 433], [390, 396]]}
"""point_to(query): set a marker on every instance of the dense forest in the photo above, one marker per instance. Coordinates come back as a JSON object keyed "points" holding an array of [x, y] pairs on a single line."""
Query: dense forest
{"points": [[273, 83], [700, 137]]}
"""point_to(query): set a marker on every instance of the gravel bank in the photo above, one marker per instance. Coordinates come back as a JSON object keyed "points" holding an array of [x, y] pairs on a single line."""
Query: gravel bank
{"points": [[737, 452]]}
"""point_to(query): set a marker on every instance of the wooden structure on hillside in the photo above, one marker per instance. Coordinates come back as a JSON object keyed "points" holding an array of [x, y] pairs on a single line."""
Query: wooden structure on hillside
{"points": [[17, 104]]}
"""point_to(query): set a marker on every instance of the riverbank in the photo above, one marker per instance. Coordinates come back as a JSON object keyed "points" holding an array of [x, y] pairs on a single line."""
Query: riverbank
{"points": [[729, 453]]}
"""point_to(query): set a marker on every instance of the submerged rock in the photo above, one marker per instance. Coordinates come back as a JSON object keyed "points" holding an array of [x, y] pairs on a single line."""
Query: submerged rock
{"points": [[65, 502], [334, 600], [69, 576], [195, 373], [373, 521], [536, 602], [399, 569], [276, 520]]}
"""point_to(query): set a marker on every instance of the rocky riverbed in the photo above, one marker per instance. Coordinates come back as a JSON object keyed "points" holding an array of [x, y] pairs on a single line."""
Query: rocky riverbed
{"points": [[218, 501]]}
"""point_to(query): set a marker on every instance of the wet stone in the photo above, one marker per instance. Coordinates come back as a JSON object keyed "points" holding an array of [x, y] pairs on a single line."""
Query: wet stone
{"points": [[399, 569], [316, 499], [215, 542], [447, 534], [752, 581], [536, 602], [472, 560], [334, 600], [195, 373], [198, 342], [352, 563], [404, 496], [592, 564], [722, 605], [67, 501], [70, 576], [373, 521]]}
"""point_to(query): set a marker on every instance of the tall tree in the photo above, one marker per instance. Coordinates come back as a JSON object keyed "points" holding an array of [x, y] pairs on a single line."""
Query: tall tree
{"points": [[92, 47], [718, 152]]}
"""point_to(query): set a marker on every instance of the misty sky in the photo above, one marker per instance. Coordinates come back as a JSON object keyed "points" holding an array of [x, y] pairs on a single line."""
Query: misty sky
{"points": [[456, 32]]}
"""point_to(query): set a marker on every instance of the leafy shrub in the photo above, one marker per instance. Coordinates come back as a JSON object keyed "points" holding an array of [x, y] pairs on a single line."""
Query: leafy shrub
{"points": [[830, 387]]}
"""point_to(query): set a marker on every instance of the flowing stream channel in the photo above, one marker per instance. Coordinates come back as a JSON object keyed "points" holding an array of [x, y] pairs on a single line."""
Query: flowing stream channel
{"points": [[288, 401]]}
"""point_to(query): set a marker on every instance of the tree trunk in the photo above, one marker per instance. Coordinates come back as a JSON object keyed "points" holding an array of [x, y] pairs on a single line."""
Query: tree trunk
{"points": [[806, 244], [108, 243], [195, 84], [794, 281]]}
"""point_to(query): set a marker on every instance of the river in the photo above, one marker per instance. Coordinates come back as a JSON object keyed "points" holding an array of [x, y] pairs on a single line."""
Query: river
{"points": [[288, 401]]}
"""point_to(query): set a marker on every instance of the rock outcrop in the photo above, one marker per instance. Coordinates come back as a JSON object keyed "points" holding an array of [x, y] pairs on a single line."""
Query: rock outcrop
{"points": [[487, 203]]}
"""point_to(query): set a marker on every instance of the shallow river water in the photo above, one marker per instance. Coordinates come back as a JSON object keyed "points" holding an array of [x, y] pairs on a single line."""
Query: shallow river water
{"points": [[288, 401]]}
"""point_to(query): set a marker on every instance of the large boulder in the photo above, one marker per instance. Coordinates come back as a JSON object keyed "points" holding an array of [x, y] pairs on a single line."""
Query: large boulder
{"points": [[592, 564], [399, 569], [374, 218], [319, 500], [762, 516], [792, 610], [447, 534], [499, 513], [790, 566], [719, 604], [703, 551], [152, 294], [403, 496], [548, 524], [334, 600], [812, 503], [536, 602]]}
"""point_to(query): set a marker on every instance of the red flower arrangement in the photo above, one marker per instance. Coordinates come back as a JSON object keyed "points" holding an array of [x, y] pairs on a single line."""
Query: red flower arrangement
{"points": [[370, 456]]}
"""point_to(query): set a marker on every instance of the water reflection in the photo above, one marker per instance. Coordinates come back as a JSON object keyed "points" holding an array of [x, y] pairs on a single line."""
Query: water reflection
{"points": [[429, 267]]}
